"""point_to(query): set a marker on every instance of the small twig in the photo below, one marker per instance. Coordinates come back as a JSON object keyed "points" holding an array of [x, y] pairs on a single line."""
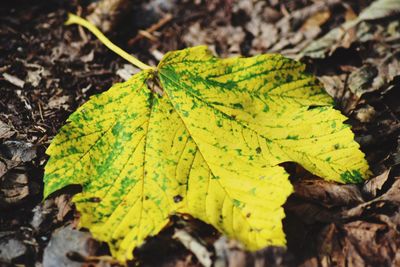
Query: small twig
{"points": [[199, 250], [40, 111], [80, 28], [147, 33], [13, 80]]}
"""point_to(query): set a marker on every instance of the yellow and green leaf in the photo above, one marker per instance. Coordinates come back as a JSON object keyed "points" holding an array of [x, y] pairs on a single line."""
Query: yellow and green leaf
{"points": [[210, 146]]}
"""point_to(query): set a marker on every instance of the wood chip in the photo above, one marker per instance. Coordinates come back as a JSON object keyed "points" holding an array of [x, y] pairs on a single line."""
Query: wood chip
{"points": [[14, 80], [199, 250]]}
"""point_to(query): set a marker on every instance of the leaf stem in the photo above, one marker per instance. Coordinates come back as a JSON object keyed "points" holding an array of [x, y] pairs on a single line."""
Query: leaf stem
{"points": [[73, 19]]}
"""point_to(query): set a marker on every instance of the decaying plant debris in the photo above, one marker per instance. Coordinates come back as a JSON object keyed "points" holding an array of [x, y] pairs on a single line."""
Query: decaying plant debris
{"points": [[47, 71]]}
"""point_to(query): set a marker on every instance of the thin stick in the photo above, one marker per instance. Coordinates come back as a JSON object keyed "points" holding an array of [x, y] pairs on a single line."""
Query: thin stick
{"points": [[73, 19], [151, 29]]}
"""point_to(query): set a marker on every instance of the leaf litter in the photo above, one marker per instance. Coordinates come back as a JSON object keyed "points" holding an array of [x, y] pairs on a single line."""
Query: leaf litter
{"points": [[377, 135]]}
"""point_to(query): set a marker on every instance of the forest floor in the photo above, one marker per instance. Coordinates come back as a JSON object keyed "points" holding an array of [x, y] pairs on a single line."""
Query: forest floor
{"points": [[48, 69]]}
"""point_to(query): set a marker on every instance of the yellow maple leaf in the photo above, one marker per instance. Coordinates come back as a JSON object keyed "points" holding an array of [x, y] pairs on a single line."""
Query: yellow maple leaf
{"points": [[209, 147]]}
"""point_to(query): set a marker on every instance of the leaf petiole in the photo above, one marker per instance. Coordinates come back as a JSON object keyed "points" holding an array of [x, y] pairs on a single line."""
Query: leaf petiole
{"points": [[74, 19]]}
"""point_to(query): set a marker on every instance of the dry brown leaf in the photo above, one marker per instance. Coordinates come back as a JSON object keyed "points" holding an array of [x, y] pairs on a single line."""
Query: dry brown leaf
{"points": [[380, 9], [389, 199], [372, 187], [310, 213], [360, 81], [5, 131], [334, 85], [64, 206], [316, 20], [57, 102], [14, 188], [328, 194], [360, 243], [349, 14], [14, 181]]}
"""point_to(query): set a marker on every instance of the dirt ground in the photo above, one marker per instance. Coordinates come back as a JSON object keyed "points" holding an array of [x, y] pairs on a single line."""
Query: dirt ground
{"points": [[47, 70]]}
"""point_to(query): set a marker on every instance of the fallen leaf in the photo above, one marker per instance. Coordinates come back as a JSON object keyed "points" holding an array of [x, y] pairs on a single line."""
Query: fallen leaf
{"points": [[309, 212], [64, 206], [389, 198], [328, 194], [200, 148], [349, 14], [5, 131], [352, 30], [360, 243], [334, 85], [17, 151], [59, 102], [360, 81], [295, 19], [14, 188], [316, 20], [14, 181], [380, 9], [326, 45]]}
